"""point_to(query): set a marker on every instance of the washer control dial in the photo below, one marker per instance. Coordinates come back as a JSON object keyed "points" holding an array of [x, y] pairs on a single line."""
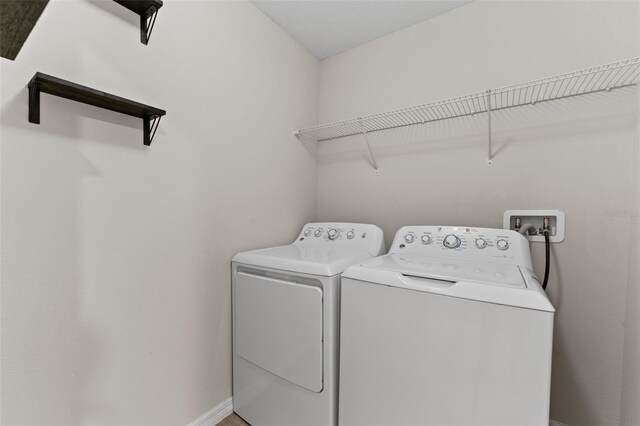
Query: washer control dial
{"points": [[409, 238], [333, 234], [318, 232], [481, 243], [351, 234], [451, 241], [307, 232], [426, 239], [502, 244]]}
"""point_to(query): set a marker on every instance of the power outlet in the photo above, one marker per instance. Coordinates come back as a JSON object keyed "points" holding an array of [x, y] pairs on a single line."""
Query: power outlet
{"points": [[536, 218]]}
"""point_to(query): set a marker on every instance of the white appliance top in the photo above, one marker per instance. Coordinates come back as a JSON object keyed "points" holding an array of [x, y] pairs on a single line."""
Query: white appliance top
{"points": [[483, 264], [452, 269], [324, 249]]}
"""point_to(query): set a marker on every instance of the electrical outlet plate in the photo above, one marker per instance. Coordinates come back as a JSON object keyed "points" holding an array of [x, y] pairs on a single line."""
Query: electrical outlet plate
{"points": [[536, 218]]}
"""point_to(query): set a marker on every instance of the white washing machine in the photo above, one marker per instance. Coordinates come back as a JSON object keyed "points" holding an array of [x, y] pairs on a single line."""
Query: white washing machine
{"points": [[450, 328], [286, 306]]}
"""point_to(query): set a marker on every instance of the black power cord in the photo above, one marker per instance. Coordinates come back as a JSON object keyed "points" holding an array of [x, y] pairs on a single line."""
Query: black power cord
{"points": [[547, 247]]}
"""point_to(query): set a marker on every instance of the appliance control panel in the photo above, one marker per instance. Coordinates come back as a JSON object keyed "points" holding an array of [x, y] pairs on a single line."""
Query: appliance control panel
{"points": [[356, 236], [463, 242]]}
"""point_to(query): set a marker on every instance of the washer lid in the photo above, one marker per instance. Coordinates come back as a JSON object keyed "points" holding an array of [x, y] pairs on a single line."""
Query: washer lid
{"points": [[498, 283], [453, 269], [320, 261]]}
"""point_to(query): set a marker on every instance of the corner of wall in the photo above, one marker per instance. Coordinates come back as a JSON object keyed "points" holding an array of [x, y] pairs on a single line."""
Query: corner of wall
{"points": [[630, 389]]}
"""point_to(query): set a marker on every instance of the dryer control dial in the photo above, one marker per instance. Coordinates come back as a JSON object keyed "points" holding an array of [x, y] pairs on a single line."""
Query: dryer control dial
{"points": [[451, 241], [481, 243], [426, 239], [502, 244], [351, 234], [307, 232], [409, 238], [318, 232], [333, 234]]}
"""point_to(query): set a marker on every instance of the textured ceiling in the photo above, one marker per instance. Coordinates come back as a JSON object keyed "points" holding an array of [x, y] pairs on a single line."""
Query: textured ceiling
{"points": [[329, 27]]}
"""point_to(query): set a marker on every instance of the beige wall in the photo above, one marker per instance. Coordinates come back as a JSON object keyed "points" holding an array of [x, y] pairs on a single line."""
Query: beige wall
{"points": [[575, 155], [630, 412], [115, 256]]}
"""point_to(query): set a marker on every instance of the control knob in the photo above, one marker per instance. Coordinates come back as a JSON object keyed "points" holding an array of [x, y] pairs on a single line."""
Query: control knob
{"points": [[409, 238], [451, 241], [426, 239], [333, 234], [481, 243], [307, 232], [502, 244], [351, 234], [318, 232]]}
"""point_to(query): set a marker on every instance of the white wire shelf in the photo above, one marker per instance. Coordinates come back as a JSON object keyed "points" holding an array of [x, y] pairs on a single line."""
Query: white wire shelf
{"points": [[582, 82]]}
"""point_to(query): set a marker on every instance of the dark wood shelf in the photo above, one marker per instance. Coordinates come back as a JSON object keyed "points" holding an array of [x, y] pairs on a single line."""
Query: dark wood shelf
{"points": [[68, 90], [147, 9], [139, 6], [17, 19]]}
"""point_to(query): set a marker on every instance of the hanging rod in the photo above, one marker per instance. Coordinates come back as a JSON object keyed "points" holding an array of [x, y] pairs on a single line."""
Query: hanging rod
{"points": [[582, 82]]}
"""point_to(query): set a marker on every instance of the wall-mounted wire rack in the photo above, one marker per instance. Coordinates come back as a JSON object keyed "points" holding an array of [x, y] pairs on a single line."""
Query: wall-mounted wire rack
{"points": [[582, 82]]}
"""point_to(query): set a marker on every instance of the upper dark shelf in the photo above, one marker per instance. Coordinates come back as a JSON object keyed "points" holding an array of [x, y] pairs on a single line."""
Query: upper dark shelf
{"points": [[17, 19], [66, 89], [147, 9], [140, 6]]}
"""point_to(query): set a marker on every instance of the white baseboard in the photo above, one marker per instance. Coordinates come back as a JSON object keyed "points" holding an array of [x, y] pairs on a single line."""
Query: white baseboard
{"points": [[215, 415]]}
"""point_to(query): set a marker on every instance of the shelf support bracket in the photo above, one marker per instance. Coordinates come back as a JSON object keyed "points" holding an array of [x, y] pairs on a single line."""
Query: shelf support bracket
{"points": [[366, 141], [147, 21], [34, 103], [489, 150], [149, 128]]}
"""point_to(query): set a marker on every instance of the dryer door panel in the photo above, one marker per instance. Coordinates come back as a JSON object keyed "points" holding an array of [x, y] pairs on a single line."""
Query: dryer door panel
{"points": [[278, 327]]}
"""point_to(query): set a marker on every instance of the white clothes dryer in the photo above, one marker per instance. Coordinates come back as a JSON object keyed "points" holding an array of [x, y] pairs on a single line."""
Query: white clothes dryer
{"points": [[286, 303], [450, 328]]}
